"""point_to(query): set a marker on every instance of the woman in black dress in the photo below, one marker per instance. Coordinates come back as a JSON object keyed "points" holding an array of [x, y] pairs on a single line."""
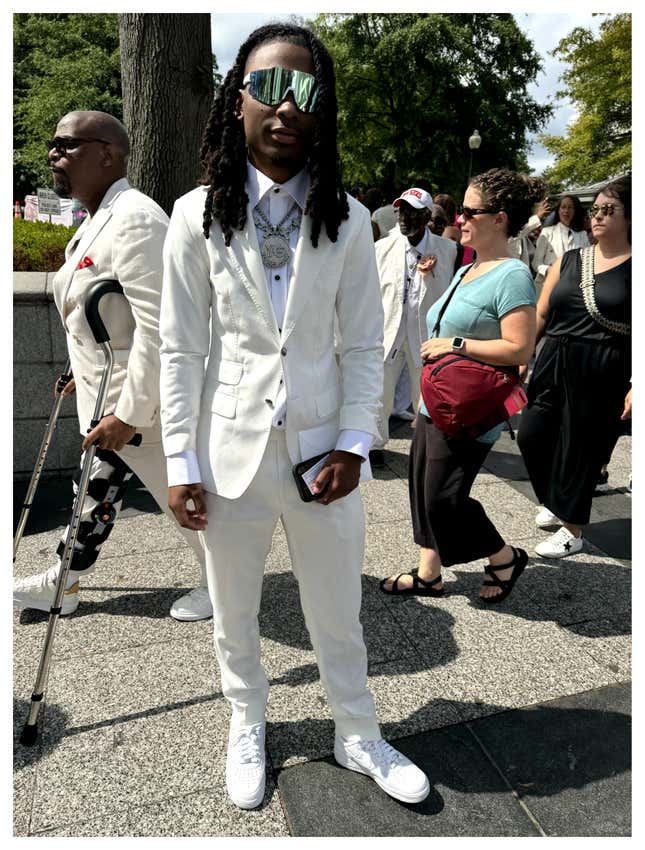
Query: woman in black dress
{"points": [[581, 385]]}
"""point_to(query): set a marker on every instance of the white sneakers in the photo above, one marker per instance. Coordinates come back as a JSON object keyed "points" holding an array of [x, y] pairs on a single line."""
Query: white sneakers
{"points": [[38, 592], [246, 765], [545, 519], [560, 544], [390, 769], [195, 605]]}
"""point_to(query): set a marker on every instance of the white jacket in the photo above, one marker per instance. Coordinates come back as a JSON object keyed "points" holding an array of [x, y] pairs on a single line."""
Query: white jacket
{"points": [[216, 308]]}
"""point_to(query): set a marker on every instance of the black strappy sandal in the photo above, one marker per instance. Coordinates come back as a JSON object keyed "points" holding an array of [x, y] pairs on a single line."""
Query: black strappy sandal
{"points": [[419, 586], [520, 560]]}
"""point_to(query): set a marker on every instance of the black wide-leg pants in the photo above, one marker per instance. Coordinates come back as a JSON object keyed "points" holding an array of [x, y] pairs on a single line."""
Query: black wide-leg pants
{"points": [[567, 431], [444, 516]]}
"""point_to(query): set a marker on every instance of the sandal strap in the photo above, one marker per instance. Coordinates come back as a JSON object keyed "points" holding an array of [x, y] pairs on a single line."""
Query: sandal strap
{"points": [[496, 580], [416, 580]]}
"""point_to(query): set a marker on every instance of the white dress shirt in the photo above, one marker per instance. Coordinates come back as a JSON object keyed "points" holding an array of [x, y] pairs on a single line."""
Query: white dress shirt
{"points": [[274, 200], [409, 327]]}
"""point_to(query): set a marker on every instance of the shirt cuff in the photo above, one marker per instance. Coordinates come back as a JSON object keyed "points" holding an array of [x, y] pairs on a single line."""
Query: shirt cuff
{"points": [[183, 468], [356, 442]]}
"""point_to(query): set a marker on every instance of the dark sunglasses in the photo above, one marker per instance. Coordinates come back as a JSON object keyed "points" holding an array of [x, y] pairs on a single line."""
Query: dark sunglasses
{"points": [[470, 212], [605, 209], [271, 86], [62, 145]]}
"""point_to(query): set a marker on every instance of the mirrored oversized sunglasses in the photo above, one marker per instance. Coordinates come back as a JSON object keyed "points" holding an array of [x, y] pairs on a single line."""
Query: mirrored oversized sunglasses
{"points": [[471, 212], [605, 209], [271, 86]]}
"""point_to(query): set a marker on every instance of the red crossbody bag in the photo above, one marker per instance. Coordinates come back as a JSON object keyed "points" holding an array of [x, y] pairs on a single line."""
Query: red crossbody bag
{"points": [[465, 397]]}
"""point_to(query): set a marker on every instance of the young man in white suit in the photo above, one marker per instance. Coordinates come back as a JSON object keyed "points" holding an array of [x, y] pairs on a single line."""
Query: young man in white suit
{"points": [[121, 238], [415, 267], [259, 263]]}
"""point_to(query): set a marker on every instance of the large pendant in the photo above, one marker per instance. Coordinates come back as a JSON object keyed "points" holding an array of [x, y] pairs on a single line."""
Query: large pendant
{"points": [[275, 251]]}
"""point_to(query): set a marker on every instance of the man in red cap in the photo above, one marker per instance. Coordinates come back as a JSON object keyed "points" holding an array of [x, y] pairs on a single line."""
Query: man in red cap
{"points": [[415, 267]]}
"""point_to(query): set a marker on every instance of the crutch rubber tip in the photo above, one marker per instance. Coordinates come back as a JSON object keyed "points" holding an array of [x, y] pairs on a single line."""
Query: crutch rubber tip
{"points": [[29, 735]]}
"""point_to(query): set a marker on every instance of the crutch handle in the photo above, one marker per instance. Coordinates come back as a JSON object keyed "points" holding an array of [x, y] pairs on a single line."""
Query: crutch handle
{"points": [[94, 294]]}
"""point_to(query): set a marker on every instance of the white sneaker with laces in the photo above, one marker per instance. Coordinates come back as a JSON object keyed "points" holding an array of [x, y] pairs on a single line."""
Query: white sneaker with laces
{"points": [[545, 519], [390, 769], [246, 765], [38, 592], [560, 544], [194, 605]]}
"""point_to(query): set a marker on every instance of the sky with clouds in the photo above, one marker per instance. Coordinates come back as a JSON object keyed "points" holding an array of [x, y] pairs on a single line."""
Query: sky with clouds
{"points": [[545, 30]]}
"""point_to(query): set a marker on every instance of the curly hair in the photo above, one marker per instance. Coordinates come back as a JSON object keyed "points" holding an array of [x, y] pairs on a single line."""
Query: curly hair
{"points": [[510, 192], [223, 151], [578, 220]]}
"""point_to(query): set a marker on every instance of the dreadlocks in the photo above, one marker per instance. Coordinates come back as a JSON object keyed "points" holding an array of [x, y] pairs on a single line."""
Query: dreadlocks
{"points": [[223, 152]]}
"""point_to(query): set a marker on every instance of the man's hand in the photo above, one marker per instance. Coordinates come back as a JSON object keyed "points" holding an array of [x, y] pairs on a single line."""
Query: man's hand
{"points": [[627, 412], [178, 498], [340, 473], [110, 434], [64, 388], [544, 208]]}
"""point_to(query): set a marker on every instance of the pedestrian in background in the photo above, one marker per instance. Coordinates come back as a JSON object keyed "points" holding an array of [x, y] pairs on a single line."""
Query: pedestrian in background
{"points": [[490, 317], [568, 232], [580, 389]]}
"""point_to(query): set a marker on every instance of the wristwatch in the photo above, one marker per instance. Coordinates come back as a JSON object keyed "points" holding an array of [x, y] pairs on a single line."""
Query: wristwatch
{"points": [[457, 343]]}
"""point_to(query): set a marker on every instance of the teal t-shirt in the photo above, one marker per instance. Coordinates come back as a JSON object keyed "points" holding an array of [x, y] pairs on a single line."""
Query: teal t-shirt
{"points": [[476, 308]]}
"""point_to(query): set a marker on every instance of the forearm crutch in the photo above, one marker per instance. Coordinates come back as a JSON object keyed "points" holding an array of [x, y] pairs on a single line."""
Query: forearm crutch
{"points": [[62, 382], [98, 289]]}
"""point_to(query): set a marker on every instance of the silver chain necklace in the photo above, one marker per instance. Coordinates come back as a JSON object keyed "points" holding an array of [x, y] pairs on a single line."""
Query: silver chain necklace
{"points": [[588, 287], [275, 249]]}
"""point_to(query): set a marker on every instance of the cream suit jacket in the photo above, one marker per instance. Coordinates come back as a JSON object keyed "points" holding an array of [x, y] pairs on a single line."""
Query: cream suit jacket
{"points": [[216, 307], [390, 261], [122, 241], [550, 246]]}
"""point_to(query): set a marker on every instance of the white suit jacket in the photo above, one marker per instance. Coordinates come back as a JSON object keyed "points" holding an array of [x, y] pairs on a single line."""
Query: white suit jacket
{"points": [[216, 307], [122, 241], [390, 261], [551, 245]]}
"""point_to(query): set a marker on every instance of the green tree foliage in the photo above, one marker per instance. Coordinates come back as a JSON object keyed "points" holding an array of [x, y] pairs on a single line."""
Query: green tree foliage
{"points": [[413, 87], [598, 143], [61, 63]]}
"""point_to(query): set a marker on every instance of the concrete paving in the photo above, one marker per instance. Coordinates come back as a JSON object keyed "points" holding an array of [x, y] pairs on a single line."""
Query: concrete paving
{"points": [[519, 713]]}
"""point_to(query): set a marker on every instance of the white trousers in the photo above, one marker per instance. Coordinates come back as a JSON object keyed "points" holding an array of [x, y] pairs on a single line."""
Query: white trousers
{"points": [[149, 464], [326, 545], [393, 367]]}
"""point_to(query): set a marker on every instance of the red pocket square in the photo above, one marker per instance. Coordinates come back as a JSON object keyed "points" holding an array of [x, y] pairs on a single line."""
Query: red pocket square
{"points": [[85, 262]]}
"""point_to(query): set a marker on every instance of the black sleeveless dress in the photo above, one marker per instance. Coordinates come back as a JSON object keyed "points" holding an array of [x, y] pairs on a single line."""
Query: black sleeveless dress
{"points": [[577, 390]]}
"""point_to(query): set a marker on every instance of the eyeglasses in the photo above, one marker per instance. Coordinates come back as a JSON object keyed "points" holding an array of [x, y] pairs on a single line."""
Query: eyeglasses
{"points": [[62, 145], [271, 86], [605, 209], [469, 212]]}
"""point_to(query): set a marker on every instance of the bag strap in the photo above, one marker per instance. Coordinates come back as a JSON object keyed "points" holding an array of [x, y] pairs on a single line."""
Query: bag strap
{"points": [[588, 287], [435, 330]]}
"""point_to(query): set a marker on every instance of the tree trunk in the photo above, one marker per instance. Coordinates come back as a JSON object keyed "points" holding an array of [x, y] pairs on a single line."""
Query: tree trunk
{"points": [[167, 81]]}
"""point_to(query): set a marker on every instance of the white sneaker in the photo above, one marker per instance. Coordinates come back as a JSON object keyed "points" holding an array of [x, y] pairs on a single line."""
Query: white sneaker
{"points": [[246, 765], [195, 605], [560, 544], [545, 519], [390, 769], [38, 592]]}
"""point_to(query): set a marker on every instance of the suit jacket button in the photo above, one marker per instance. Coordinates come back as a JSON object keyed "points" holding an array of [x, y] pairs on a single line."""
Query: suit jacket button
{"points": [[284, 352]]}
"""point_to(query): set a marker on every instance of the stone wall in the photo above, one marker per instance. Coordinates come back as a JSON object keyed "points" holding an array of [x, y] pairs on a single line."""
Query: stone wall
{"points": [[39, 357]]}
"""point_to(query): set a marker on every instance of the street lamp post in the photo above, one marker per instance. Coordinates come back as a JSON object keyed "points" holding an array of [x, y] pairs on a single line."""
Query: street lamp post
{"points": [[473, 143]]}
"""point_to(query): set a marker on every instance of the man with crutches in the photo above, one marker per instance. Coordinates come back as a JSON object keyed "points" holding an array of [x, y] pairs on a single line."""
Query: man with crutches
{"points": [[121, 239]]}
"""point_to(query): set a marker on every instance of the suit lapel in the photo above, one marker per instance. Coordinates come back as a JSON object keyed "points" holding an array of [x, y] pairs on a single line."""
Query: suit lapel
{"points": [[98, 222], [244, 256], [308, 265]]}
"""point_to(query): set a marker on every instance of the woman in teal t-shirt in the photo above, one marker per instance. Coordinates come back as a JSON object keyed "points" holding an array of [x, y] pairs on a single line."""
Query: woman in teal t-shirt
{"points": [[490, 317]]}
